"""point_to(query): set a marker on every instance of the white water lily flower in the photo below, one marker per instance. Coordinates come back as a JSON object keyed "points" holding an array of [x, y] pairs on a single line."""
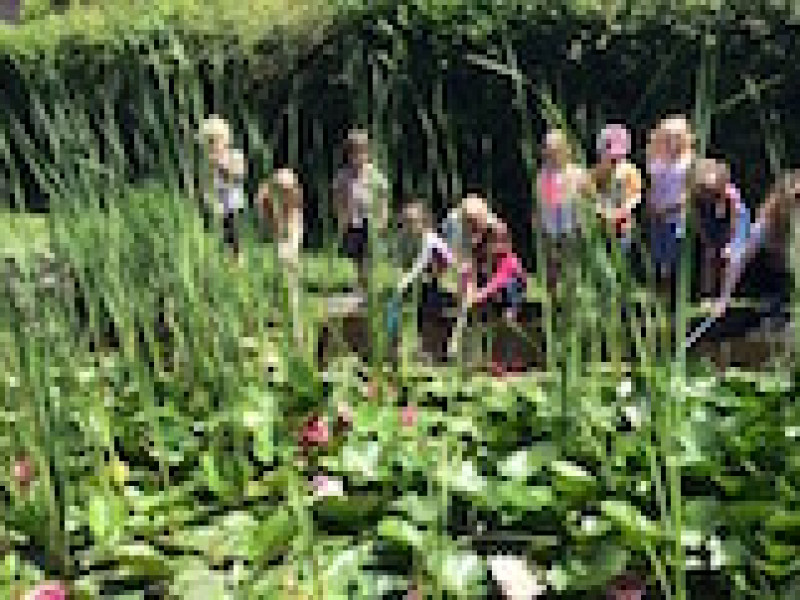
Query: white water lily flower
{"points": [[248, 343], [252, 419], [625, 388], [13, 382], [590, 524], [717, 558], [515, 578], [792, 432], [86, 375], [634, 414], [326, 487]]}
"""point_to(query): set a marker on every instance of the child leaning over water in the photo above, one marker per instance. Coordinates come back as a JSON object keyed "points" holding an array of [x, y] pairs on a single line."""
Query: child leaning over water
{"points": [[432, 260], [772, 234], [722, 221], [501, 286]]}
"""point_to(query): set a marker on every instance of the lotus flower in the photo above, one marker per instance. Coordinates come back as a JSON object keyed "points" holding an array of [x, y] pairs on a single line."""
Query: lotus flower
{"points": [[315, 432], [414, 593], [325, 487], [49, 590], [625, 388], [626, 587], [23, 472], [408, 415], [515, 578]]}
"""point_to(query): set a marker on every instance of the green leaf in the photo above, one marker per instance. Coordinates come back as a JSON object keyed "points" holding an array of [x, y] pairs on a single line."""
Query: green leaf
{"points": [[459, 573], [402, 532], [629, 519]]}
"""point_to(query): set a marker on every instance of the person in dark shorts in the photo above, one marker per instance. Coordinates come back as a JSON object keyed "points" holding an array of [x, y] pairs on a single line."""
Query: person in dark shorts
{"points": [[433, 259], [722, 220], [501, 282], [228, 170], [360, 195]]}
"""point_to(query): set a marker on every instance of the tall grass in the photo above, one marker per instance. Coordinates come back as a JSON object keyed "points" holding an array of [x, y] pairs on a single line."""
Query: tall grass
{"points": [[141, 254]]}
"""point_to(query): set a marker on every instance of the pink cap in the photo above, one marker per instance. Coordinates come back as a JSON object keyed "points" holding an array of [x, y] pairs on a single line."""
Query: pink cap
{"points": [[614, 141]]}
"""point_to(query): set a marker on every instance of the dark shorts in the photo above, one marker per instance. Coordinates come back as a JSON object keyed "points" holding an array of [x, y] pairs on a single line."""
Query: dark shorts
{"points": [[509, 298], [435, 304], [230, 230], [665, 243], [356, 244]]}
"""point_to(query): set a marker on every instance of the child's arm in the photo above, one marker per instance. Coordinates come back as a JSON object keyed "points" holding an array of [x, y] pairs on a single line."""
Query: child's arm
{"points": [[508, 267], [423, 259], [291, 246], [340, 203], [633, 188], [740, 216]]}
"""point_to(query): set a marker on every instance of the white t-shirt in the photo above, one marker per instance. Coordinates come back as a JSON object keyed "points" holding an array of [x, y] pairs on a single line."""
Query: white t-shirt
{"points": [[433, 248], [230, 193], [364, 194]]}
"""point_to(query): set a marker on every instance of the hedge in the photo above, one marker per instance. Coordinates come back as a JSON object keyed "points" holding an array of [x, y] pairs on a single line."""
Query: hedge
{"points": [[446, 105]]}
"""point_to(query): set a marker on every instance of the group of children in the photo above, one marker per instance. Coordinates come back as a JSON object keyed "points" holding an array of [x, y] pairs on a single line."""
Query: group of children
{"points": [[476, 243]]}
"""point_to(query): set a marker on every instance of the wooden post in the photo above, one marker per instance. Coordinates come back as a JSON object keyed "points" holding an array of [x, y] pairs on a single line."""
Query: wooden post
{"points": [[10, 10]]}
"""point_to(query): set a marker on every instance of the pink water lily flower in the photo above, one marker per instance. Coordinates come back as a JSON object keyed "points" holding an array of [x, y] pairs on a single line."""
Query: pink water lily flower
{"points": [[408, 415], [23, 472], [315, 432], [626, 587], [414, 593], [49, 590], [326, 487]]}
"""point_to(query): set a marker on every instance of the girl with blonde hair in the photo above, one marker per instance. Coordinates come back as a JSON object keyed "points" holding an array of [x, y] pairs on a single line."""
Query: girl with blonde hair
{"points": [[228, 171], [280, 205], [670, 156], [560, 184]]}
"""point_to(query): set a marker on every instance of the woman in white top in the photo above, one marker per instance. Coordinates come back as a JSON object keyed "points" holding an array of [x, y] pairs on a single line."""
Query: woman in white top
{"points": [[360, 194]]}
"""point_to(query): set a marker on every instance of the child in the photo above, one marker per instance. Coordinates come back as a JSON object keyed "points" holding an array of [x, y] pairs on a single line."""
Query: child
{"points": [[771, 234], [433, 259], [280, 203], [501, 283], [617, 182], [560, 183], [360, 193], [228, 169], [722, 220], [670, 157], [465, 224]]}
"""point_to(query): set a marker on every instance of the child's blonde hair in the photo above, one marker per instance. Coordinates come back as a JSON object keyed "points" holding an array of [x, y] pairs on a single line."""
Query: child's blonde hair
{"points": [[557, 140], [710, 174], [417, 211], [215, 128], [234, 163], [357, 139], [476, 209], [679, 126], [286, 184]]}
